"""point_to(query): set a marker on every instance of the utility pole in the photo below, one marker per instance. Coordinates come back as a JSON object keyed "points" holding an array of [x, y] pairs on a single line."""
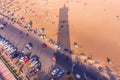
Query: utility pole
{"points": [[85, 76]]}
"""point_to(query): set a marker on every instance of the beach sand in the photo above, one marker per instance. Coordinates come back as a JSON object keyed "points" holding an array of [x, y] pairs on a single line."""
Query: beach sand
{"points": [[93, 25]]}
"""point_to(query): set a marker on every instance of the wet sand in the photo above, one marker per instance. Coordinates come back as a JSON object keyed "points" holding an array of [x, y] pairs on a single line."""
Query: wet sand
{"points": [[94, 25]]}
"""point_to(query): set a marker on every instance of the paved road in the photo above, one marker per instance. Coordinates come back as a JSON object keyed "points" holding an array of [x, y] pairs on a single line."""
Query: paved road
{"points": [[12, 34], [45, 56]]}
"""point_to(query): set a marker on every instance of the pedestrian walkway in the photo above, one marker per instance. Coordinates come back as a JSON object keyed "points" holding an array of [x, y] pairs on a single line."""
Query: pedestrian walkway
{"points": [[5, 74]]}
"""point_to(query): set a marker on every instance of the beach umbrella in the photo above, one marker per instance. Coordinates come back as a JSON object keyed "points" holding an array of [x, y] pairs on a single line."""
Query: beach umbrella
{"points": [[43, 36], [75, 45], [30, 25], [82, 54], [82, 58], [42, 30], [117, 17], [97, 64], [91, 61]]}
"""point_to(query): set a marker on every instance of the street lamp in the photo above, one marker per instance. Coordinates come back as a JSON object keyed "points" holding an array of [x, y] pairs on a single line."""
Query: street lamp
{"points": [[73, 64], [85, 76]]}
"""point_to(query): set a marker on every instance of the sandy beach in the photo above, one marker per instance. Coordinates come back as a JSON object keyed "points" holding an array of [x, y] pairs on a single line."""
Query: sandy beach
{"points": [[93, 25]]}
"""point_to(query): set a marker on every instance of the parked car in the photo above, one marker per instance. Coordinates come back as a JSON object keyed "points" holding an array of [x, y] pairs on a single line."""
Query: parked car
{"points": [[44, 46], [35, 71], [2, 40], [32, 73], [14, 49], [24, 49], [6, 43], [77, 76], [1, 26], [7, 46], [54, 58], [57, 46], [55, 71], [52, 79], [29, 46], [61, 72], [24, 59], [34, 58], [38, 65], [20, 55], [33, 63], [14, 55]]}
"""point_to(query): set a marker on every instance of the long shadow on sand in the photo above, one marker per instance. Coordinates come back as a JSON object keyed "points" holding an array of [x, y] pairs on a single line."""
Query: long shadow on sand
{"points": [[63, 28], [62, 60]]}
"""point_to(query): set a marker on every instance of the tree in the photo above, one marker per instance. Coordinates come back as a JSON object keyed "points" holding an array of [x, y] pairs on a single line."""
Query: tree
{"points": [[70, 77]]}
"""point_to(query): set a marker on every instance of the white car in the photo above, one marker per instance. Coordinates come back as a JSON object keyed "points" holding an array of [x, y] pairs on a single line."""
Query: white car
{"points": [[9, 48], [6, 43], [60, 73], [58, 46], [1, 41], [1, 26], [29, 46], [77, 76], [6, 46], [55, 71], [52, 79], [13, 50], [33, 63]]}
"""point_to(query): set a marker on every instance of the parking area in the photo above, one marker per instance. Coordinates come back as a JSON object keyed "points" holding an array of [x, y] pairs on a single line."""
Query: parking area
{"points": [[25, 68], [49, 58], [20, 50]]}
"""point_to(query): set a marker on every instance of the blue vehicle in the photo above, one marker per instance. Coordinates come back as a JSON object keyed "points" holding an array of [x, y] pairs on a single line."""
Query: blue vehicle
{"points": [[34, 58], [14, 55], [60, 73], [37, 66]]}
